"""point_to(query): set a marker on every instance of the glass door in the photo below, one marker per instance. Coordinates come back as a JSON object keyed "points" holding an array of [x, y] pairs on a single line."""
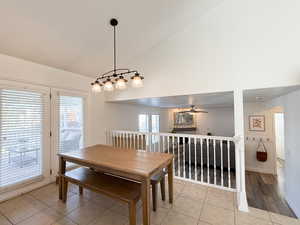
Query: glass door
{"points": [[68, 123], [24, 135], [71, 125]]}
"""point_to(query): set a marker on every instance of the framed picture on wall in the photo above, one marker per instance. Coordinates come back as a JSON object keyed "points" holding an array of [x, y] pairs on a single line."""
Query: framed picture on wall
{"points": [[257, 123]]}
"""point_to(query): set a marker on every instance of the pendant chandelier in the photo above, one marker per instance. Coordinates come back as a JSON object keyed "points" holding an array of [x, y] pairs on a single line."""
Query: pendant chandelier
{"points": [[116, 78]]}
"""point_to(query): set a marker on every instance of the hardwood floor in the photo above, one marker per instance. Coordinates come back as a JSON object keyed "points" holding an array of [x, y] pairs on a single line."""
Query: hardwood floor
{"points": [[265, 191]]}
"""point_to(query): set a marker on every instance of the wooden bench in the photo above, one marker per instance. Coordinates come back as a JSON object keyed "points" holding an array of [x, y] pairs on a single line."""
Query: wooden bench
{"points": [[114, 187], [158, 178]]}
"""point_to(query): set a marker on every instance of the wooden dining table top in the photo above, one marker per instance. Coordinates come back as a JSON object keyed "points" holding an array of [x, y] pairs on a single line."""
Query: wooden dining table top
{"points": [[132, 161]]}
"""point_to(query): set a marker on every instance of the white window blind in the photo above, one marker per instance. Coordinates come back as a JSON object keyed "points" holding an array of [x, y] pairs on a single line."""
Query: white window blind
{"points": [[22, 115], [71, 123]]}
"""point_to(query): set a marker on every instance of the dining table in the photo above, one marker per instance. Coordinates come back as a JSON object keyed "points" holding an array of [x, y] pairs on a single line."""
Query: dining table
{"points": [[136, 165]]}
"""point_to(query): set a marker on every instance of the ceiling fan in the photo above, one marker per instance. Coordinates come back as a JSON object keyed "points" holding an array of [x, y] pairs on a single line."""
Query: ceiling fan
{"points": [[193, 110]]}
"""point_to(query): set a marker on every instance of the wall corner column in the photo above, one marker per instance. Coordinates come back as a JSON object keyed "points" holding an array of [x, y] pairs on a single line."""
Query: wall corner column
{"points": [[240, 150]]}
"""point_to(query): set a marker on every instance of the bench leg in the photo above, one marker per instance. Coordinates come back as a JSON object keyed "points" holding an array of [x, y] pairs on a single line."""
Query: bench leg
{"points": [[154, 196], [65, 189], [163, 189], [132, 213], [80, 190]]}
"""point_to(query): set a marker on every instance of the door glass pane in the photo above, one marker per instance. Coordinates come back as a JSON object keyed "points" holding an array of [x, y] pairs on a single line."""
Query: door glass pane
{"points": [[155, 127], [21, 130], [155, 123], [143, 123], [71, 125]]}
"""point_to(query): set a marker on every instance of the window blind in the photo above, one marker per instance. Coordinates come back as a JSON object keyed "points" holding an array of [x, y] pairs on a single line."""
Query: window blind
{"points": [[22, 115], [71, 123]]}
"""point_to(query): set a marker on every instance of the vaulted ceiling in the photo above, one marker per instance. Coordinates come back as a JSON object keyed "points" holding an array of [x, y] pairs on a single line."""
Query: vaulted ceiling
{"points": [[76, 36]]}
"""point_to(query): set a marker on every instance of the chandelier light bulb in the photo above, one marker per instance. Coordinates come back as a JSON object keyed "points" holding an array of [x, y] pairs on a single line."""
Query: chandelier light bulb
{"points": [[137, 81], [96, 87], [108, 85], [121, 83]]}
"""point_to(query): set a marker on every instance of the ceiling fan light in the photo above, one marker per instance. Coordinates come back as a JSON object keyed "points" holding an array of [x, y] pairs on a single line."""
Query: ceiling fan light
{"points": [[96, 87], [121, 83], [108, 85]]}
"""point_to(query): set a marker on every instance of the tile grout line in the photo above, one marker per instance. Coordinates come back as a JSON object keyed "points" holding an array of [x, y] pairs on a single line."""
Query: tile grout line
{"points": [[6, 217]]}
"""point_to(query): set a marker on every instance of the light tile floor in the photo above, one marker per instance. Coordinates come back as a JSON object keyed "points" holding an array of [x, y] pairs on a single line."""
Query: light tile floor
{"points": [[193, 205]]}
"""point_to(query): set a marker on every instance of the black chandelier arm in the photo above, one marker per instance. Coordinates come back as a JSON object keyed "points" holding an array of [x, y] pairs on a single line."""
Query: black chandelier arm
{"points": [[113, 73]]}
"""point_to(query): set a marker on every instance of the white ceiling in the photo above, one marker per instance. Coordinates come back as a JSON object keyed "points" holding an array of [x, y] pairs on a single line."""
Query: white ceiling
{"points": [[215, 100], [224, 99], [266, 94], [76, 36]]}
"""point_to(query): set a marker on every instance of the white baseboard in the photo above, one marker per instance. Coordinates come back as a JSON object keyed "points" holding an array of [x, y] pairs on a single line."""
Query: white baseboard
{"points": [[14, 193], [259, 170]]}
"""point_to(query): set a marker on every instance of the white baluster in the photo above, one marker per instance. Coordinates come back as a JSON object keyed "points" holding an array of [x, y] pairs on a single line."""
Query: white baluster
{"points": [[125, 140], [215, 171], [195, 163], [173, 152], [113, 139], [228, 149], [117, 140], [150, 142], [201, 149], [190, 166], [222, 181], [178, 159], [183, 150], [168, 143], [207, 150], [163, 144], [158, 143]]}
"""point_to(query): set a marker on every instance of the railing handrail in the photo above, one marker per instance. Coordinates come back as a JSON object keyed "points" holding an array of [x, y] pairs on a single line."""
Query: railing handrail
{"points": [[177, 135]]}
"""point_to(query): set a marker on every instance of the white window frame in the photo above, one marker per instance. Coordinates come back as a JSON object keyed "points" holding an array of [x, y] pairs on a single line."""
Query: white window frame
{"points": [[55, 93], [29, 184]]}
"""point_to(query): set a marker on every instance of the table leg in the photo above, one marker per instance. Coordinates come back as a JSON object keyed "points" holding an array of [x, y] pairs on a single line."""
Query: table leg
{"points": [[145, 191], [61, 171], [170, 181]]}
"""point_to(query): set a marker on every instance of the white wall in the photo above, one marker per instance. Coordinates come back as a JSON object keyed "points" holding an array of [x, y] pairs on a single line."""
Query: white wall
{"points": [[218, 121], [252, 138], [113, 116], [240, 43], [291, 105]]}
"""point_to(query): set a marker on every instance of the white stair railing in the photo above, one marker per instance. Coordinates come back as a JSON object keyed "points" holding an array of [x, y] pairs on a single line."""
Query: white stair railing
{"points": [[203, 159]]}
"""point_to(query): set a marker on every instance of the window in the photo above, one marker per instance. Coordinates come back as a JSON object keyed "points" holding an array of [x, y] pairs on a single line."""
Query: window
{"points": [[22, 135], [147, 125], [143, 123], [71, 125]]}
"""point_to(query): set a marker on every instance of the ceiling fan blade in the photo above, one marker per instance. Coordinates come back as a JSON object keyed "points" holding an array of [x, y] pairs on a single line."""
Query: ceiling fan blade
{"points": [[200, 111], [184, 111]]}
